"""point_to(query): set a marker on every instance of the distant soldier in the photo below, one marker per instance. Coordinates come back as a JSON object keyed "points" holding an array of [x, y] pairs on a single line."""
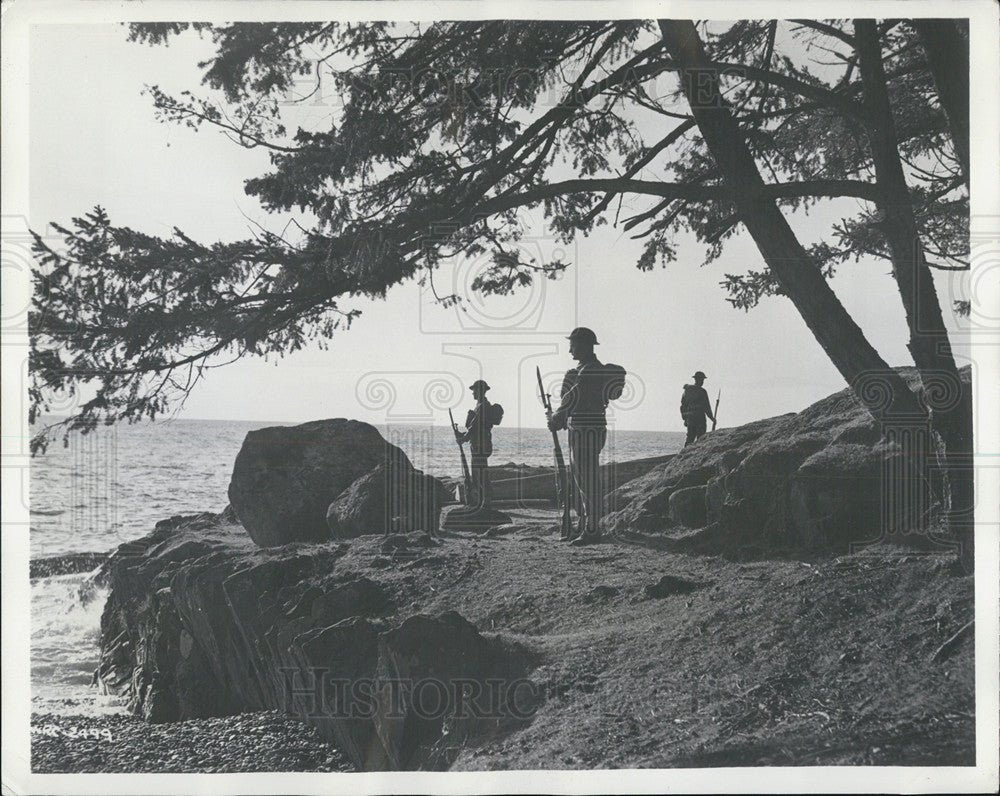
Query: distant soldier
{"points": [[586, 390], [694, 408], [479, 434]]}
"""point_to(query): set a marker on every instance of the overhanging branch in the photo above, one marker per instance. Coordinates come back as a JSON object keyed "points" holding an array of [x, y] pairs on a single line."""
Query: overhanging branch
{"points": [[671, 190]]}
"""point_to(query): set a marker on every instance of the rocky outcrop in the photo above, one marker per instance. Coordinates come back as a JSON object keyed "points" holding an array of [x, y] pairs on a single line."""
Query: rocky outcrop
{"points": [[433, 678], [687, 506], [823, 478], [643, 503], [285, 478], [472, 519], [522, 482], [201, 623], [344, 713], [387, 499]]}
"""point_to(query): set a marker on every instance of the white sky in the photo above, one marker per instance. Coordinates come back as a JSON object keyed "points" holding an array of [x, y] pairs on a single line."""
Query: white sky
{"points": [[94, 140]]}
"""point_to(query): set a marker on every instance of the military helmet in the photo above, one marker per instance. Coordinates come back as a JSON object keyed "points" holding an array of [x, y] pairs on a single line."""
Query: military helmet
{"points": [[584, 335], [699, 375], [480, 384]]}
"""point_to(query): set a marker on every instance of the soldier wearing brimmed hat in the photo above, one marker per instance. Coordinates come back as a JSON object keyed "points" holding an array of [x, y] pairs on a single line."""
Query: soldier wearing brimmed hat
{"points": [[695, 405], [479, 434], [586, 390]]}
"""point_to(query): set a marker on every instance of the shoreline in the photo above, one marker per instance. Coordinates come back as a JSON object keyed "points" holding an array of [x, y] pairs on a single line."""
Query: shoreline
{"points": [[66, 564], [512, 482], [120, 743]]}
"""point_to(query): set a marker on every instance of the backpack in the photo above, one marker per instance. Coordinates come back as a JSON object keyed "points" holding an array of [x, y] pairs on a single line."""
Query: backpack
{"points": [[496, 414], [615, 384]]}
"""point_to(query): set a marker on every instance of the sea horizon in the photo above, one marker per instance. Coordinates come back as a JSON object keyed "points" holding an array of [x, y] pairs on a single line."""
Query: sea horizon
{"points": [[273, 422], [115, 483]]}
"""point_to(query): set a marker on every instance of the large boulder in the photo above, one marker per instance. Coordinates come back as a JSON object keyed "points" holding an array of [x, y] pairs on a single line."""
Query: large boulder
{"points": [[285, 477], [389, 498]]}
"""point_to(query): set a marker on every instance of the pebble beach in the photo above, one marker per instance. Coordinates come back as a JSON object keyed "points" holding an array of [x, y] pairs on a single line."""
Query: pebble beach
{"points": [[119, 743]]}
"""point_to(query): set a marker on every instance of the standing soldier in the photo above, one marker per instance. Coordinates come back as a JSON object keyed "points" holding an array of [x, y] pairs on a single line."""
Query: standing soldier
{"points": [[586, 390], [695, 405], [479, 434]]}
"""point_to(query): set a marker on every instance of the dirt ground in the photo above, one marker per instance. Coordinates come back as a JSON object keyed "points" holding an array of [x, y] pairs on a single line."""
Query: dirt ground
{"points": [[654, 659]]}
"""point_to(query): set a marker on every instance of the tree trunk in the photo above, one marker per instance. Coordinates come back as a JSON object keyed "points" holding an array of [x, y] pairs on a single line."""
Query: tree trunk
{"points": [[878, 386], [948, 58], [929, 344]]}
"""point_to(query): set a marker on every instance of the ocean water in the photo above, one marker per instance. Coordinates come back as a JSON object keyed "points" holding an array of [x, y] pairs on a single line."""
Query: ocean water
{"points": [[65, 641], [113, 485]]}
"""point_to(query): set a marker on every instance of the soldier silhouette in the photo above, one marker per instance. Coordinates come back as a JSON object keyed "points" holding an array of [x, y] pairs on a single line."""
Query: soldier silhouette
{"points": [[695, 405], [479, 434], [586, 390]]}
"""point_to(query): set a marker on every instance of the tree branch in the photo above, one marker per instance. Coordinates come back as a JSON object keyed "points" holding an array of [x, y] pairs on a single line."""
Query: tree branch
{"points": [[668, 190], [829, 30], [792, 84]]}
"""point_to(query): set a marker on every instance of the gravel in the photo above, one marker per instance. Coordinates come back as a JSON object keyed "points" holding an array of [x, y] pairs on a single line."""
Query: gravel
{"points": [[248, 742]]}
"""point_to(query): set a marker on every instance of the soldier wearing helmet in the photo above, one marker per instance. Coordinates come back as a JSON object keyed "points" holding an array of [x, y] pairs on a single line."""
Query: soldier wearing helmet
{"points": [[479, 434], [695, 405], [586, 390]]}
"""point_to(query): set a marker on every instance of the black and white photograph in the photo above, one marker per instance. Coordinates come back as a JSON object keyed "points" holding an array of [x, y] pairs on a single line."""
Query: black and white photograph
{"points": [[500, 398]]}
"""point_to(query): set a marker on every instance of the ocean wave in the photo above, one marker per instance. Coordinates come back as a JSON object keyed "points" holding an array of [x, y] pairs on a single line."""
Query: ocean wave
{"points": [[47, 512], [69, 564]]}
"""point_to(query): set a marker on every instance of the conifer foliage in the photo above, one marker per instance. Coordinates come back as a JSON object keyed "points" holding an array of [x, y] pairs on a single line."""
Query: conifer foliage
{"points": [[443, 132]]}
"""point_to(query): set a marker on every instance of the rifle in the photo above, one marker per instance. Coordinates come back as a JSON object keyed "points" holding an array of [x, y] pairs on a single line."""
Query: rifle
{"points": [[715, 414], [465, 464], [562, 481]]}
